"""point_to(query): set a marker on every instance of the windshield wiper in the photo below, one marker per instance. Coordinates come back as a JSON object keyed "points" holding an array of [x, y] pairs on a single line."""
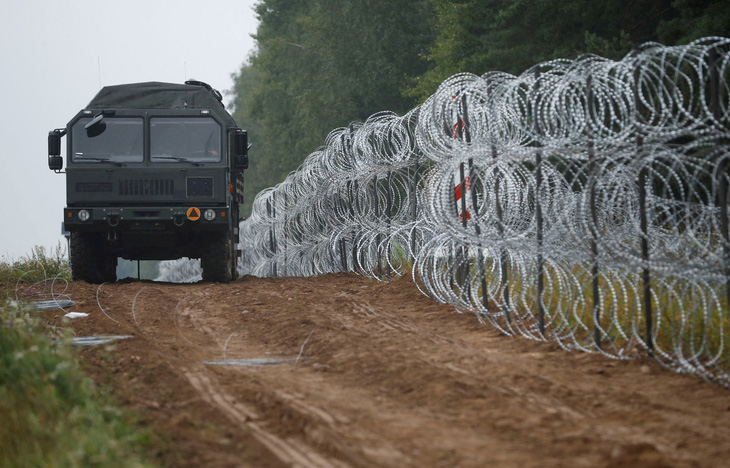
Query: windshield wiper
{"points": [[94, 158], [176, 158]]}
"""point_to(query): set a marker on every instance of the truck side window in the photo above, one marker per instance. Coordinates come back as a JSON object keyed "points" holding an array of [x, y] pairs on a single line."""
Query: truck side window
{"points": [[184, 139], [121, 141]]}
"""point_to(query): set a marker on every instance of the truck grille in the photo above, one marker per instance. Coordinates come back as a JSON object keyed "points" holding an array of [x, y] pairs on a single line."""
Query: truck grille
{"points": [[146, 187]]}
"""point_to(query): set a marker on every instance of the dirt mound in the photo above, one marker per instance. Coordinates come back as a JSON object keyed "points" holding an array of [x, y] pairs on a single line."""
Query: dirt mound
{"points": [[338, 370]]}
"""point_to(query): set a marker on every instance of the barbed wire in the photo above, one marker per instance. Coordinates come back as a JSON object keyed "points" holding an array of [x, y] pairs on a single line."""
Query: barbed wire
{"points": [[584, 201]]}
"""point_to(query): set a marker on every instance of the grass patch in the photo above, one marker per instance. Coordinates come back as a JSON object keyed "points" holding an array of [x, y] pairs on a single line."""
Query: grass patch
{"points": [[689, 318], [39, 265], [52, 414]]}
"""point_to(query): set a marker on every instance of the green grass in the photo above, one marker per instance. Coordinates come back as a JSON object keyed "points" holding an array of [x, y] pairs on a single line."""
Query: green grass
{"points": [[400, 259], [689, 319], [51, 413], [37, 266]]}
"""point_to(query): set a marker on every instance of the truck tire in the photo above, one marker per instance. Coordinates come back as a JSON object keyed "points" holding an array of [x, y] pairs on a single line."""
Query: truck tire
{"points": [[234, 270], [107, 267], [218, 258], [82, 257], [234, 262], [90, 261]]}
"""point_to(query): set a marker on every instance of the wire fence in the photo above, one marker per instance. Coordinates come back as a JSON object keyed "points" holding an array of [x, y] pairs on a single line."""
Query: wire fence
{"points": [[584, 202]]}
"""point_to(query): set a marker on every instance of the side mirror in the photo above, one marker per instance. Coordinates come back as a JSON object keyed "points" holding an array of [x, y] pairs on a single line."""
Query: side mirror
{"points": [[241, 142], [241, 162], [55, 161], [240, 158]]}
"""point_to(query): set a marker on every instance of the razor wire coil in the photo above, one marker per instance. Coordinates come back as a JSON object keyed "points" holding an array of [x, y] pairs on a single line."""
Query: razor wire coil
{"points": [[584, 201]]}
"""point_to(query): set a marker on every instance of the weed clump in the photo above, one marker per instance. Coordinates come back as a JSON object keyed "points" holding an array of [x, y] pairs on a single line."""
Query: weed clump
{"points": [[39, 265], [52, 414]]}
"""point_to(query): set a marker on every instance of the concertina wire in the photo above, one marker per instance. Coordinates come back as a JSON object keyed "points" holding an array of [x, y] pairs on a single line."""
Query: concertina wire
{"points": [[583, 202]]}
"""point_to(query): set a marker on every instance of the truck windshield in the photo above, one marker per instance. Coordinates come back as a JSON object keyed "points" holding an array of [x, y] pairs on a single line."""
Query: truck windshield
{"points": [[116, 139], [184, 139]]}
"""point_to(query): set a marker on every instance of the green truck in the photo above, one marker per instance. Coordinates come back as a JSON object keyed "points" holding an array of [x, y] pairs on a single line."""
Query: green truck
{"points": [[154, 171]]}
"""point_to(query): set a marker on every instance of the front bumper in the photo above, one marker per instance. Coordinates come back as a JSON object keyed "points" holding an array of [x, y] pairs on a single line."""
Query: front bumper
{"points": [[146, 218]]}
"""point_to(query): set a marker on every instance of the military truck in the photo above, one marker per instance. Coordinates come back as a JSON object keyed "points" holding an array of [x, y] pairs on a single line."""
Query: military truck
{"points": [[154, 171]]}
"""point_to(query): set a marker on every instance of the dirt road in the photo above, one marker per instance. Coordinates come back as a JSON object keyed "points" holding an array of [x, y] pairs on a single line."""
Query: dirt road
{"points": [[365, 374]]}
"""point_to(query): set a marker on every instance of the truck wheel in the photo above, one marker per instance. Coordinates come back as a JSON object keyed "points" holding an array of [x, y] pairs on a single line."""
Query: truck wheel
{"points": [[89, 260], [82, 257], [234, 270], [217, 260], [234, 262], [107, 267]]}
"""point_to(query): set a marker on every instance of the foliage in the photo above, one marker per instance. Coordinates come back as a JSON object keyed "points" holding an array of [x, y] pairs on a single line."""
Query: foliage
{"points": [[52, 415], [321, 64], [37, 266], [695, 19], [478, 36]]}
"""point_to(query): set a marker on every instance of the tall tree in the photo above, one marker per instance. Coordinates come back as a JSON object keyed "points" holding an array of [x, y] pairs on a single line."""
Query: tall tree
{"points": [[695, 19], [512, 35], [321, 64], [245, 81]]}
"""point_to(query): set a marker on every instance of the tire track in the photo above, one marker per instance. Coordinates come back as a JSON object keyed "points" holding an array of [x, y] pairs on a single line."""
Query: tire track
{"points": [[290, 451]]}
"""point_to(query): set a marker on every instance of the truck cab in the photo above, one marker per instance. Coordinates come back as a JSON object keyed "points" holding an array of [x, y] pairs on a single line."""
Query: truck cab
{"points": [[154, 171]]}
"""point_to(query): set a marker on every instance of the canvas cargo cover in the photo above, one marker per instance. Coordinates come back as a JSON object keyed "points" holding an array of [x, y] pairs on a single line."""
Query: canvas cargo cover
{"points": [[156, 95]]}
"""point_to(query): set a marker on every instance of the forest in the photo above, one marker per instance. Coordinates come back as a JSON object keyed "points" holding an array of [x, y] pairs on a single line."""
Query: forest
{"points": [[321, 64]]}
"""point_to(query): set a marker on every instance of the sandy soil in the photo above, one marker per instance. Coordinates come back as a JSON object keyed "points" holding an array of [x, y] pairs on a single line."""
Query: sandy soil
{"points": [[376, 374]]}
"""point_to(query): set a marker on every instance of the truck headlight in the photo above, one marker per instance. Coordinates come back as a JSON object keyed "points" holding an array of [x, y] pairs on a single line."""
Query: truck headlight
{"points": [[83, 215], [209, 214]]}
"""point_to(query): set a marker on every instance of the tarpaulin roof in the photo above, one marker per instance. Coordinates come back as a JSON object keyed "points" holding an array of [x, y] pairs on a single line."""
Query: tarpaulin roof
{"points": [[156, 95]]}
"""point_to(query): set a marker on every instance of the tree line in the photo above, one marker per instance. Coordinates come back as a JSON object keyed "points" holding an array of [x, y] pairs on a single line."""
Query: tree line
{"points": [[321, 64]]}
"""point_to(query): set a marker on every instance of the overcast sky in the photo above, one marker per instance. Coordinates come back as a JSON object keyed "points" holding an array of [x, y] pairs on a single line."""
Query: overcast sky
{"points": [[57, 53]]}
